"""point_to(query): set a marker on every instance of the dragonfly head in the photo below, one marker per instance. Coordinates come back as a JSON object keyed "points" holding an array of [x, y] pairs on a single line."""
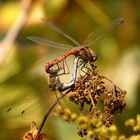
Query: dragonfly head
{"points": [[89, 54], [93, 57], [86, 53]]}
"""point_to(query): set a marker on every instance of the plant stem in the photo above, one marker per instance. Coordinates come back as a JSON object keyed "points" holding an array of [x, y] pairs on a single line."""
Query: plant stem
{"points": [[49, 111]]}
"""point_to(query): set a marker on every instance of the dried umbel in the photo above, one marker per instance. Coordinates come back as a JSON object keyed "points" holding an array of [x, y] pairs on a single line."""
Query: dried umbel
{"points": [[93, 89], [102, 97], [134, 123], [92, 127], [89, 125]]}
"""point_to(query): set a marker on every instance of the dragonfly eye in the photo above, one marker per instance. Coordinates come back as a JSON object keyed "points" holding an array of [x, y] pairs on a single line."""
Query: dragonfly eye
{"points": [[94, 56]]}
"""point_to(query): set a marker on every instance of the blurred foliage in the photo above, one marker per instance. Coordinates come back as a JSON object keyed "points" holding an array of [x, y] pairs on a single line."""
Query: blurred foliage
{"points": [[22, 62]]}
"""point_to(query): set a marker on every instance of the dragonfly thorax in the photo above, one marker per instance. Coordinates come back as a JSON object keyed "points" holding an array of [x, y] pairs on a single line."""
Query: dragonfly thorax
{"points": [[87, 54]]}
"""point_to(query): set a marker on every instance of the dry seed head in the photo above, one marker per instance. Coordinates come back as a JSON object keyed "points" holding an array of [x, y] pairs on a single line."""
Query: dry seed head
{"points": [[90, 134], [113, 128], [82, 120], [81, 132], [130, 122], [91, 90], [67, 111], [73, 116], [59, 110]]}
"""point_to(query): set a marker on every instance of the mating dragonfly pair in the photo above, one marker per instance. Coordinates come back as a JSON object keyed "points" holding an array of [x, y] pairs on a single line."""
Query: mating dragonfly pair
{"points": [[82, 53], [83, 56]]}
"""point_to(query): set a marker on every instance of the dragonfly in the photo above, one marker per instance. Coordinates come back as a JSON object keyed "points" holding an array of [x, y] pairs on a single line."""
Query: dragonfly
{"points": [[54, 80], [81, 50]]}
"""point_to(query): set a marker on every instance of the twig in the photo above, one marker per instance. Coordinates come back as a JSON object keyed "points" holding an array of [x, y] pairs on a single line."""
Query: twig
{"points": [[49, 111]]}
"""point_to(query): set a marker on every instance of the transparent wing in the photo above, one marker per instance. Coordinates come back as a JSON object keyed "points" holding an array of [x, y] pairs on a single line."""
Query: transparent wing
{"points": [[30, 106], [99, 34], [46, 42], [56, 29]]}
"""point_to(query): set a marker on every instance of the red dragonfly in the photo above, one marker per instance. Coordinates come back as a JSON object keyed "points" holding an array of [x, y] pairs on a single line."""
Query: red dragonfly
{"points": [[81, 50]]}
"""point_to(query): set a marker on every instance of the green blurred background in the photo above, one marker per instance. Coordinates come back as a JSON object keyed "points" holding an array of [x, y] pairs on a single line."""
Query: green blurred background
{"points": [[23, 81]]}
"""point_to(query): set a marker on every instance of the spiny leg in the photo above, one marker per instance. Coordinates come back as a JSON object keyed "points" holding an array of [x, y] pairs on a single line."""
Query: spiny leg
{"points": [[80, 63], [85, 66], [62, 65]]}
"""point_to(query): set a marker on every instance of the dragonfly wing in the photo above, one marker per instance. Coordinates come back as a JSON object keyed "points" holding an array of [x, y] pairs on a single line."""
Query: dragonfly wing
{"points": [[28, 106], [100, 33], [56, 29], [46, 42]]}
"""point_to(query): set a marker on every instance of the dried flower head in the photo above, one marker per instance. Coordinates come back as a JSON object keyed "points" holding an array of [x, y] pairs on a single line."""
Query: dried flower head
{"points": [[93, 89], [104, 100]]}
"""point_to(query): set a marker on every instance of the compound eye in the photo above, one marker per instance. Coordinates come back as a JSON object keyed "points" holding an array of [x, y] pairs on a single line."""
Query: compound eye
{"points": [[94, 58]]}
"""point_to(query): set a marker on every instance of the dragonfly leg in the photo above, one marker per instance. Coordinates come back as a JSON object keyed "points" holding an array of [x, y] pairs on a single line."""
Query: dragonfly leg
{"points": [[85, 66], [55, 82], [67, 67], [80, 63], [61, 66]]}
